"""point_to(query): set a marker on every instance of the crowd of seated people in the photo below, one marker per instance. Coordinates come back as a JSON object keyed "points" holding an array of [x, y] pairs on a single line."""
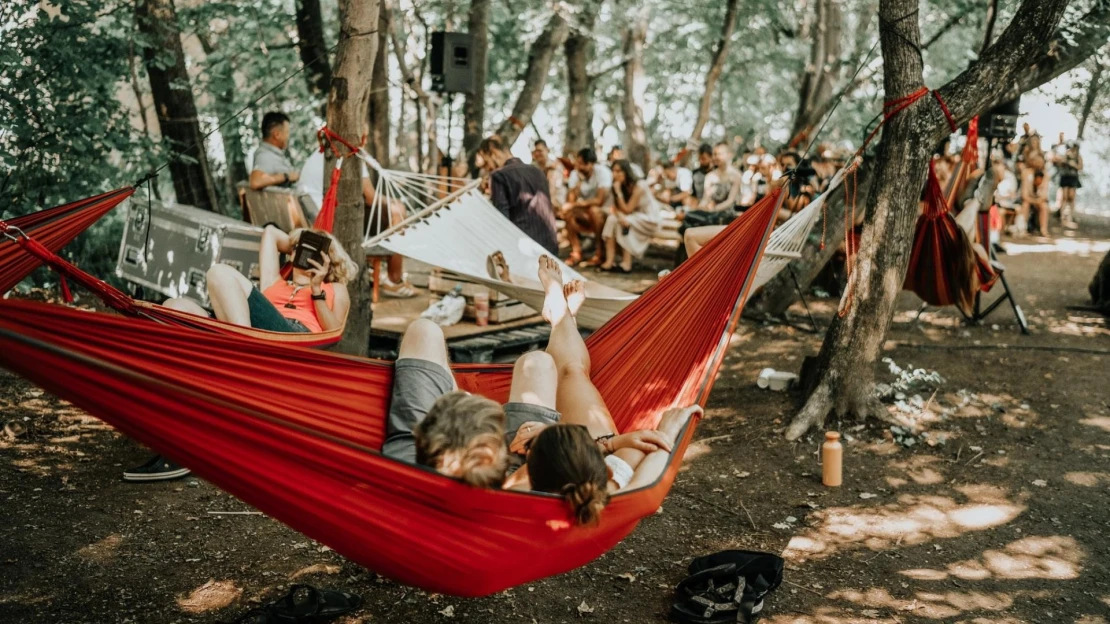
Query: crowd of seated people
{"points": [[1021, 174]]}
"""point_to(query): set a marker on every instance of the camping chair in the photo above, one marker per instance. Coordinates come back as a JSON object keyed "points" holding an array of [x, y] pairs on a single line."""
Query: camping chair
{"points": [[979, 313], [284, 208]]}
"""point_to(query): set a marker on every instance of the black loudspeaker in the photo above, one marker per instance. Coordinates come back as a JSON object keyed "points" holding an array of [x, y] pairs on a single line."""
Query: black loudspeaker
{"points": [[452, 62], [1000, 122]]}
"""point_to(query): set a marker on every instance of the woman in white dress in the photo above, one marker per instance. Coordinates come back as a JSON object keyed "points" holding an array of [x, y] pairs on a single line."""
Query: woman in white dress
{"points": [[632, 222]]}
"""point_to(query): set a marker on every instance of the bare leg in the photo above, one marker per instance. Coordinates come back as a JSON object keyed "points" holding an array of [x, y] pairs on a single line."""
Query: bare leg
{"points": [[571, 221], [228, 290], [185, 305], [396, 268], [1043, 216], [626, 259], [597, 221], [423, 340], [610, 252], [535, 380], [696, 238]]}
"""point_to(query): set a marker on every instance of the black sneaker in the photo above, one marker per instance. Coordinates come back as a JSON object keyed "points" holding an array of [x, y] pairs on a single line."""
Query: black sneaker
{"points": [[157, 469]]}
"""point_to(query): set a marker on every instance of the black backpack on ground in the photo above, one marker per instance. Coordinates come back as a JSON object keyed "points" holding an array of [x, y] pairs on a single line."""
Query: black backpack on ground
{"points": [[729, 586]]}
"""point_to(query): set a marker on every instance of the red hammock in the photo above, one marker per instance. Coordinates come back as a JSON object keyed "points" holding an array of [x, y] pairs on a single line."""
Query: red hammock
{"points": [[945, 267], [54, 228], [295, 432]]}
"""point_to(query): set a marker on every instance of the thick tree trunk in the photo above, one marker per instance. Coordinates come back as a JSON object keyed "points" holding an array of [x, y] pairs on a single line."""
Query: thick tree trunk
{"points": [[174, 104], [1089, 100], [535, 78], [716, 66], [578, 50], [845, 365], [313, 50], [822, 70], [474, 110], [632, 106], [378, 141], [348, 104]]}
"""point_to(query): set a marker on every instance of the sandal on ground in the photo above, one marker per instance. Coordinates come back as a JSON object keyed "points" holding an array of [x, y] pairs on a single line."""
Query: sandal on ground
{"points": [[404, 290], [573, 259], [305, 604]]}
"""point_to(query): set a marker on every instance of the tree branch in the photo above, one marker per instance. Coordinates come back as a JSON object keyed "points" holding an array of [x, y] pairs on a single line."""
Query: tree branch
{"points": [[539, 66]]}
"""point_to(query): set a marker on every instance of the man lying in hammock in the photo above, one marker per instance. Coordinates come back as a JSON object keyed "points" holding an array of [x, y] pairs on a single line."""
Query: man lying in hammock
{"points": [[313, 299], [555, 417]]}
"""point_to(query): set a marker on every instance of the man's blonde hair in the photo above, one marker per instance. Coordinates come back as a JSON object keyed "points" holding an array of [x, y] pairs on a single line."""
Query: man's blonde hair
{"points": [[467, 432], [342, 268]]}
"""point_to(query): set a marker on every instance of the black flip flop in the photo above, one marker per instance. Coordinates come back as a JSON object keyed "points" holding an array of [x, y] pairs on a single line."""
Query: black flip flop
{"points": [[305, 604]]}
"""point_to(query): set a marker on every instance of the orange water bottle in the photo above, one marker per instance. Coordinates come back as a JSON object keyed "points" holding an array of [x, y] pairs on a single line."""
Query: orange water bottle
{"points": [[832, 460]]}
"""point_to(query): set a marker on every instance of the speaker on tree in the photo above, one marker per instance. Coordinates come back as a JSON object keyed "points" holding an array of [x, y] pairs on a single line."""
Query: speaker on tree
{"points": [[452, 64], [1000, 122]]}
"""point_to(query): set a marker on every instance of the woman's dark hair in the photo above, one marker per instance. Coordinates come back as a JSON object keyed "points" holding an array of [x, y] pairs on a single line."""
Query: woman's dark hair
{"points": [[272, 120], [565, 460], [587, 155], [630, 179]]}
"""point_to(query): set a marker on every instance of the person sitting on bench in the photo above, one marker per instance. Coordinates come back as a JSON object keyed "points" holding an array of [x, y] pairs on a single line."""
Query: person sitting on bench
{"points": [[271, 165], [311, 300]]}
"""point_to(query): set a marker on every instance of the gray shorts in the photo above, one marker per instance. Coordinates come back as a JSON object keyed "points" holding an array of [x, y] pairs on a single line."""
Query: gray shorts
{"points": [[416, 386]]}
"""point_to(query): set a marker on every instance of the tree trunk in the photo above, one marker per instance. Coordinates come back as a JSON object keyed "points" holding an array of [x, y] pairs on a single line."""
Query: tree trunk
{"points": [[845, 366], [988, 29], [234, 157], [822, 71], [1089, 100], [716, 66], [1068, 47], [474, 110], [313, 50], [535, 78], [174, 104], [632, 106], [578, 49], [348, 105], [378, 141]]}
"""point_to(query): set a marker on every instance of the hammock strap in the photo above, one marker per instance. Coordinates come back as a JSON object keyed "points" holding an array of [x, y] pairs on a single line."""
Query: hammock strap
{"points": [[944, 108], [112, 297]]}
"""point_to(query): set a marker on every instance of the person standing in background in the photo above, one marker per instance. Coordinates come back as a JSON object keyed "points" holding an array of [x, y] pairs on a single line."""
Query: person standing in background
{"points": [[553, 170], [520, 192]]}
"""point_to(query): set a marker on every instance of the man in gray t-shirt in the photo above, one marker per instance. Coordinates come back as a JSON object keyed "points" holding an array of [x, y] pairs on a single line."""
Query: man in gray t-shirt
{"points": [[271, 166]]}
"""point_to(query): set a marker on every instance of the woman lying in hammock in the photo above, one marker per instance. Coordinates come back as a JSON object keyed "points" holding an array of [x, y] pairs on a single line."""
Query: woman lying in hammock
{"points": [[311, 300], [554, 410]]}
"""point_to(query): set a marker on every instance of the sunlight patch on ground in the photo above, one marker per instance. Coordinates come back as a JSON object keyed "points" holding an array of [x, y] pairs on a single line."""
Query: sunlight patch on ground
{"points": [[1071, 247], [920, 469], [1054, 557], [319, 568], [1102, 422], [1087, 479], [103, 550], [912, 520], [209, 597]]}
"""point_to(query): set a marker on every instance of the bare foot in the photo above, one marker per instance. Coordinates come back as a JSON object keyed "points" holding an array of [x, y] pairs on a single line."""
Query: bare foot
{"points": [[575, 293], [551, 277], [498, 267]]}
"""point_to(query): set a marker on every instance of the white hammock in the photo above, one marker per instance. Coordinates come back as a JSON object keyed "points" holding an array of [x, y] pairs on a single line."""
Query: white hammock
{"points": [[459, 232], [788, 240]]}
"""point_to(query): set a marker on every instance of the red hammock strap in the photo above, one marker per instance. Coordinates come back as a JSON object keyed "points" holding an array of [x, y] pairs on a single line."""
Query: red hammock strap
{"points": [[947, 113], [325, 134], [111, 296]]}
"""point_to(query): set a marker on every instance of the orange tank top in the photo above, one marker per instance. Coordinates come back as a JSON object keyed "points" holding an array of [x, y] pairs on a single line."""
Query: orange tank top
{"points": [[304, 309]]}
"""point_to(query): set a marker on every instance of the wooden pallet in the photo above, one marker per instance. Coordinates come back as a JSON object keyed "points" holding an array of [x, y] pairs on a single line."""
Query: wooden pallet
{"points": [[499, 346]]}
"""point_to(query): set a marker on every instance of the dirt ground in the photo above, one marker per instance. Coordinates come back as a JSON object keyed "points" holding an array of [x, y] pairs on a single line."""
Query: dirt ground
{"points": [[989, 506]]}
